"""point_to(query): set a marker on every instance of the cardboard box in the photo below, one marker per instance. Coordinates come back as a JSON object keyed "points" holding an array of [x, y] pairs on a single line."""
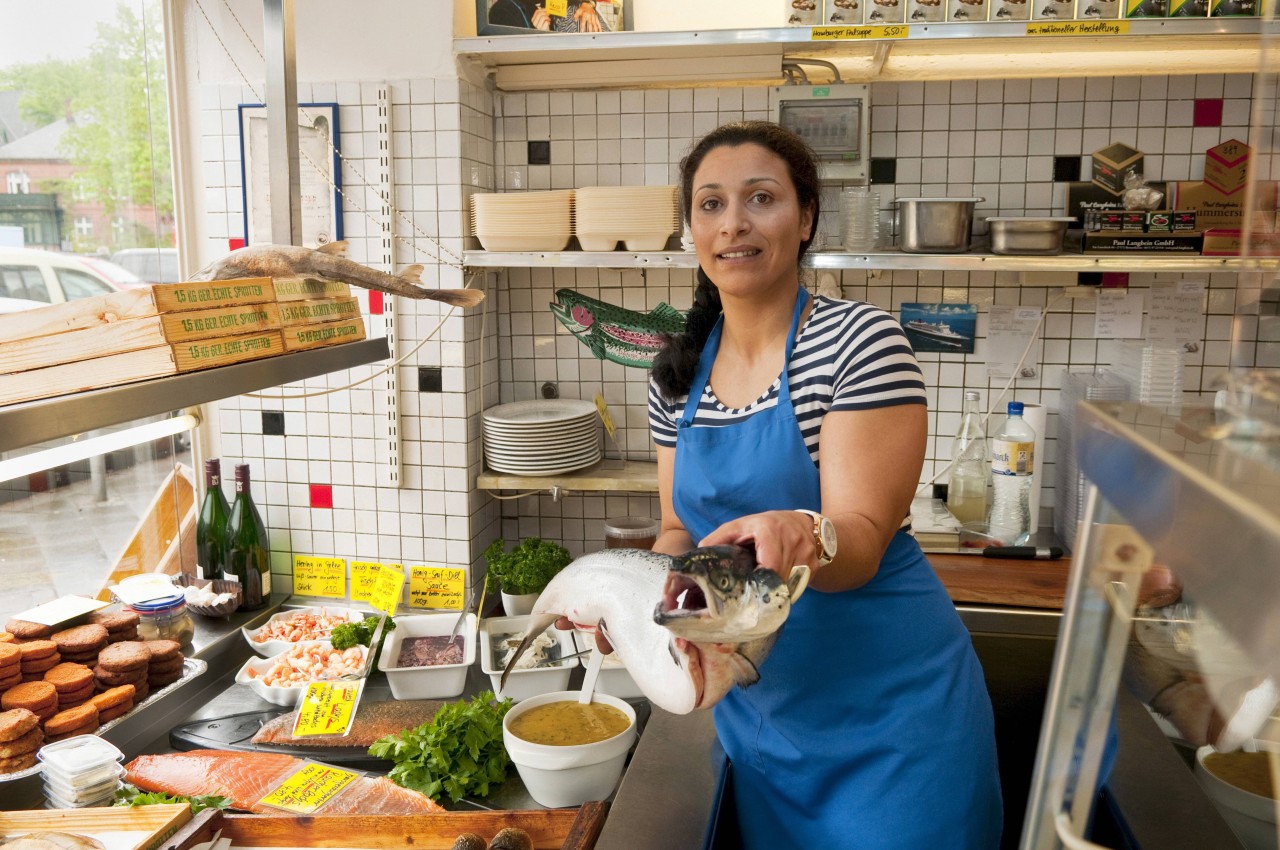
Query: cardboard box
{"points": [[1188, 8], [1226, 166], [1053, 10], [1115, 162], [881, 12], [1230, 243], [844, 12], [1010, 10], [926, 11], [1233, 8], [1085, 197], [1146, 9], [967, 11], [1215, 210], [1141, 243], [802, 13], [1097, 10]]}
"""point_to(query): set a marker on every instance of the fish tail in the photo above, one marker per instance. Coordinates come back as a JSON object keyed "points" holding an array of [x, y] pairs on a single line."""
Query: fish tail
{"points": [[411, 274], [457, 297]]}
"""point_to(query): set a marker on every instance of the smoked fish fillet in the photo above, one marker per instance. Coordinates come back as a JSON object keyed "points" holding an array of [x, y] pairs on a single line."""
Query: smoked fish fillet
{"points": [[373, 720], [247, 777]]}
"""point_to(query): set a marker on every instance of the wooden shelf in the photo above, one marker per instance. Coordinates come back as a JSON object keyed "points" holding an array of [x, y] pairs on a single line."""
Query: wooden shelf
{"points": [[618, 476], [946, 51], [889, 260]]}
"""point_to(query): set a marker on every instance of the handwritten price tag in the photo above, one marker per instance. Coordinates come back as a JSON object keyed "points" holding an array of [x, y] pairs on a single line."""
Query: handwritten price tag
{"points": [[559, 8], [326, 577], [310, 788], [387, 586], [857, 33], [437, 587], [327, 708], [605, 416], [363, 576]]}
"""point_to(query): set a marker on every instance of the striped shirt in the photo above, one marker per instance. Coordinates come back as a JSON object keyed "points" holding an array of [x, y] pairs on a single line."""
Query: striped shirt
{"points": [[848, 356]]}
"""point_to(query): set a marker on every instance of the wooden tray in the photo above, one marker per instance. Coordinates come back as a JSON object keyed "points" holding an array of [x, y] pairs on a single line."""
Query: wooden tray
{"points": [[550, 829], [119, 828]]}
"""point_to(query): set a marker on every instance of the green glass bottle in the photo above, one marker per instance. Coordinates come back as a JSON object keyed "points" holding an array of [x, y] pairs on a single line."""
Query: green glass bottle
{"points": [[212, 526], [247, 550]]}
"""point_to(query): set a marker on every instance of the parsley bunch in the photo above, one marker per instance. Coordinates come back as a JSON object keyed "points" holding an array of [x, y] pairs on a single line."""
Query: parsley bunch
{"points": [[459, 753], [525, 569], [347, 635], [128, 795]]}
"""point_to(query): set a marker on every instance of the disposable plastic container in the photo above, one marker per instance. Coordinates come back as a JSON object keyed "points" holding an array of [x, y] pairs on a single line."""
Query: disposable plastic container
{"points": [[525, 683], [64, 795], [438, 680], [80, 762], [631, 532]]}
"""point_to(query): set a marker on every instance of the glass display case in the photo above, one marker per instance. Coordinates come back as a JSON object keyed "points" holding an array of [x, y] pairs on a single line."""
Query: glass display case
{"points": [[1175, 595]]}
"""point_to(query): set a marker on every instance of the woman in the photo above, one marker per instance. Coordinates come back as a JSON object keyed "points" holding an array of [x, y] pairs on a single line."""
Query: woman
{"points": [[871, 726]]}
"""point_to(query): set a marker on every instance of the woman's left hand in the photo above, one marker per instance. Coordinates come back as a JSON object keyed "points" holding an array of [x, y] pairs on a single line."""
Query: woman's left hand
{"points": [[782, 539], [587, 18]]}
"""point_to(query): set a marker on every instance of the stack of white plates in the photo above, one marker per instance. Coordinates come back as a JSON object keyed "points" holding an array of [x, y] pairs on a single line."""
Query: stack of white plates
{"points": [[1154, 374], [643, 217], [523, 221], [543, 437]]}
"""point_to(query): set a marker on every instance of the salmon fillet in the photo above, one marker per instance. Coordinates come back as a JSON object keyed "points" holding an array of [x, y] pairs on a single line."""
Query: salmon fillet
{"points": [[373, 720], [246, 778]]}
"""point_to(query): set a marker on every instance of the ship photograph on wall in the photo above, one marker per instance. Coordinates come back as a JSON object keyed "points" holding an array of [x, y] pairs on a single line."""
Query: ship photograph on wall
{"points": [[947, 328]]}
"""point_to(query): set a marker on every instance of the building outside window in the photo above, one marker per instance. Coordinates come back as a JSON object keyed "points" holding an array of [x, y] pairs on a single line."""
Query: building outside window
{"points": [[18, 183], [84, 226]]}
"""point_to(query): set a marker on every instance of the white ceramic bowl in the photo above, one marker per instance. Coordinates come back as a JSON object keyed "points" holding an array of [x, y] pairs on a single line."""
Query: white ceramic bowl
{"points": [[437, 681], [1251, 817], [569, 776], [274, 693], [274, 647], [613, 678], [523, 684]]}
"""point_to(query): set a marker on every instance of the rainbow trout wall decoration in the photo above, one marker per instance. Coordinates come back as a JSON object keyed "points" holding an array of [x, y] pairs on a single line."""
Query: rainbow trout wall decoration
{"points": [[614, 333]]}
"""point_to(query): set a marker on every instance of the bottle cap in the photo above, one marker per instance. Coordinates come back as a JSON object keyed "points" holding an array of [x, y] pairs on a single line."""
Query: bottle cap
{"points": [[1015, 408], [213, 464], [971, 395]]}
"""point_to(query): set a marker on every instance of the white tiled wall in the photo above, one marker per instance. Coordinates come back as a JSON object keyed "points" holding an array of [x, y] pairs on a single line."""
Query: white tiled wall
{"points": [[994, 139]]}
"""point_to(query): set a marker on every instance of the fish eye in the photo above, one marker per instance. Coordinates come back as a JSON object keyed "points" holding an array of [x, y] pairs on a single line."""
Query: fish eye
{"points": [[724, 581]]}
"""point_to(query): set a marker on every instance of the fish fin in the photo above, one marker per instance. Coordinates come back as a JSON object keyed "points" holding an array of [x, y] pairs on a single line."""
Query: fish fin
{"points": [[798, 581], [411, 274], [537, 625], [338, 249], [455, 297], [666, 311]]}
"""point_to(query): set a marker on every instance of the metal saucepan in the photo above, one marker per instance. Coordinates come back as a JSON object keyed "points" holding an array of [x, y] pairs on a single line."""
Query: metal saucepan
{"points": [[935, 225]]}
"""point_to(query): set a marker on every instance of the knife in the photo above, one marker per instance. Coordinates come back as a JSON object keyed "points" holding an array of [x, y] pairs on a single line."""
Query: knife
{"points": [[1022, 553]]}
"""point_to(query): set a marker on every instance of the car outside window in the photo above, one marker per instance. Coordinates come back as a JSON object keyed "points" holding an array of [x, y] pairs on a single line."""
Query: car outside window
{"points": [[77, 284], [23, 282]]}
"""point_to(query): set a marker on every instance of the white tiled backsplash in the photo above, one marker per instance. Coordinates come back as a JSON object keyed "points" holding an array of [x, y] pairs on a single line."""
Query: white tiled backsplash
{"points": [[994, 139]]}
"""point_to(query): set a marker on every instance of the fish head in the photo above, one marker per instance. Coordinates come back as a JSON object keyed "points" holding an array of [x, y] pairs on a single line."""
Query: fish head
{"points": [[719, 594]]}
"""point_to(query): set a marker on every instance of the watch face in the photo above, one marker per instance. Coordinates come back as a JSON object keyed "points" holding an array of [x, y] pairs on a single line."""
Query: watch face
{"points": [[827, 530]]}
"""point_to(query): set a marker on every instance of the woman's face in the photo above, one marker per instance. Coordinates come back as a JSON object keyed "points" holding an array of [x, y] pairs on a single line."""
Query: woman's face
{"points": [[746, 220]]}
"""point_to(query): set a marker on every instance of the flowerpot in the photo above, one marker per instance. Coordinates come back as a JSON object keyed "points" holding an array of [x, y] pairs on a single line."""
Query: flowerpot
{"points": [[518, 603]]}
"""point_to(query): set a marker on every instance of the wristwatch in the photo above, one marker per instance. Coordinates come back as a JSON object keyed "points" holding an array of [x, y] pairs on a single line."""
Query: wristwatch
{"points": [[824, 536]]}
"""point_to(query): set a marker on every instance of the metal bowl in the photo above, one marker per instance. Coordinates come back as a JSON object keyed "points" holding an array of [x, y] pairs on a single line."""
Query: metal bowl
{"points": [[1028, 234], [935, 225]]}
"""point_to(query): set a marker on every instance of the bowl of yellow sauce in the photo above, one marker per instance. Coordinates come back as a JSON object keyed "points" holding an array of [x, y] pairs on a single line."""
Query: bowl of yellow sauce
{"points": [[568, 753], [1239, 784]]}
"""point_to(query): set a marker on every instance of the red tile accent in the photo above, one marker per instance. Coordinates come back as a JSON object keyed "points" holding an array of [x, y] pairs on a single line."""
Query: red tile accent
{"points": [[1115, 280], [235, 244], [1207, 113], [375, 303], [321, 495]]}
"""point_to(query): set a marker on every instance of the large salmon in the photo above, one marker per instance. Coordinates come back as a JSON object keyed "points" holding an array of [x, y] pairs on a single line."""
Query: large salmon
{"points": [[329, 262], [616, 593]]}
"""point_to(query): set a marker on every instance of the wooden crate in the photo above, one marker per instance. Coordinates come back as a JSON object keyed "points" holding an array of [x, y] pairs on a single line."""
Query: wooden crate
{"points": [[550, 829], [324, 310], [309, 289], [303, 337], [119, 828]]}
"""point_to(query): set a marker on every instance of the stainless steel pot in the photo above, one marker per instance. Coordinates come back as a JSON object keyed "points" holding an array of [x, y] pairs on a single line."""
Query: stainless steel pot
{"points": [[1028, 234], [935, 225]]}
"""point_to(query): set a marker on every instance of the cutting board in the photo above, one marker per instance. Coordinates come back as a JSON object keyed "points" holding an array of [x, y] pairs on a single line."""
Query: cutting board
{"points": [[119, 828], [992, 581]]}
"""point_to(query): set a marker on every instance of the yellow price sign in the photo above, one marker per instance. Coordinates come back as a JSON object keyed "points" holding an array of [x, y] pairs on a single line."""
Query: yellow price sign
{"points": [[559, 8], [605, 416], [1078, 28], [327, 708], [857, 33], [309, 788], [437, 587], [388, 584], [363, 576], [315, 576]]}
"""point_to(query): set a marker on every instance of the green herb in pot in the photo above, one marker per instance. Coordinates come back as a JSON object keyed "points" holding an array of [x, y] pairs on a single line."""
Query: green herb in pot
{"points": [[458, 754], [525, 569]]}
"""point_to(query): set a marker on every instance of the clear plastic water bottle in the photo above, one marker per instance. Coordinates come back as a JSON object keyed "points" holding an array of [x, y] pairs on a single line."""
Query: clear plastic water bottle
{"points": [[1012, 462], [967, 490]]}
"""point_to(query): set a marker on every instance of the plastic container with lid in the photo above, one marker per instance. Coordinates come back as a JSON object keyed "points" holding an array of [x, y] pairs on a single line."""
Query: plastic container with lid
{"points": [[64, 795], [80, 771], [631, 532], [165, 619]]}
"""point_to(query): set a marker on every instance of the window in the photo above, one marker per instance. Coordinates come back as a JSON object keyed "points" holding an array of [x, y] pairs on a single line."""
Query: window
{"points": [[23, 282], [119, 229], [78, 284], [84, 226], [18, 183]]}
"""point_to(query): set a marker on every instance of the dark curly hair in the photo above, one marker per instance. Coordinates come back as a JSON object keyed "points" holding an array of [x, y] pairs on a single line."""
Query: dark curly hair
{"points": [[674, 367]]}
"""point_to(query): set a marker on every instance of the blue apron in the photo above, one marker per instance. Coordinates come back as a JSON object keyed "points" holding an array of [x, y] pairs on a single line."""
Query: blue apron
{"points": [[870, 726]]}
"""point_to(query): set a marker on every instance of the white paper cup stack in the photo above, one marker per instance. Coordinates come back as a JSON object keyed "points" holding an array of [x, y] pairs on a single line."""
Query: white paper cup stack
{"points": [[523, 221], [642, 217]]}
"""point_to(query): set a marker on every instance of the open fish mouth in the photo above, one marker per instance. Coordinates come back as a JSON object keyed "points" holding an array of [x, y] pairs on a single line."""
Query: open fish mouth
{"points": [[682, 599]]}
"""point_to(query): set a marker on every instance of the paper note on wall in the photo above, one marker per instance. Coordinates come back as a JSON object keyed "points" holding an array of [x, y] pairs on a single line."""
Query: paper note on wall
{"points": [[1176, 316], [437, 587], [1009, 329], [1119, 314]]}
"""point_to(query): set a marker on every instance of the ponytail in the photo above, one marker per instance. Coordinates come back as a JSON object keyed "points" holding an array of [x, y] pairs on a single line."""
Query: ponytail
{"points": [[676, 363]]}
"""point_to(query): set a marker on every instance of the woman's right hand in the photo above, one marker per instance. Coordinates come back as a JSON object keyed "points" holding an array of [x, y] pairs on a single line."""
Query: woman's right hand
{"points": [[541, 20], [602, 642]]}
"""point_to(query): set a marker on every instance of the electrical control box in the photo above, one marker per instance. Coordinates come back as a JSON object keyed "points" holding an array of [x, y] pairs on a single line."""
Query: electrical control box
{"points": [[835, 120]]}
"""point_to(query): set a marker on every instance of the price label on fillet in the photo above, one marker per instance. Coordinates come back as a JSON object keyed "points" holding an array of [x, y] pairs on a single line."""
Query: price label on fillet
{"points": [[387, 586], [857, 33], [437, 587], [310, 788], [324, 577], [1078, 28], [327, 708]]}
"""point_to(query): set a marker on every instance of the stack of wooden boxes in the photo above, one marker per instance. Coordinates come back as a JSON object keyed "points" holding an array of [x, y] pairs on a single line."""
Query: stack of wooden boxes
{"points": [[167, 329]]}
